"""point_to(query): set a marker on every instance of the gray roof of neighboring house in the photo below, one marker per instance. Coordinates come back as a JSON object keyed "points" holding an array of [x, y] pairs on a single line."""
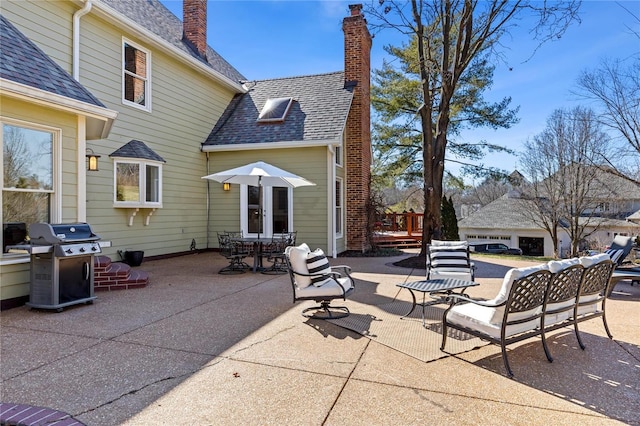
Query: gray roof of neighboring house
{"points": [[502, 213], [23, 62], [505, 213], [155, 17], [318, 113], [136, 149], [610, 185], [634, 216], [604, 222]]}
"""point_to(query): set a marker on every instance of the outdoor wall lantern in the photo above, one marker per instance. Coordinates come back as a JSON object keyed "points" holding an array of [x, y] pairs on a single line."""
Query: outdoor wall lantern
{"points": [[226, 186], [92, 160]]}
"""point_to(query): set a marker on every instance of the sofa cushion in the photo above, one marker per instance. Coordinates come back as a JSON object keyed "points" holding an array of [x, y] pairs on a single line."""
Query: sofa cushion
{"points": [[507, 282], [592, 260], [329, 289], [511, 276], [298, 259], [317, 263], [559, 265], [482, 318]]}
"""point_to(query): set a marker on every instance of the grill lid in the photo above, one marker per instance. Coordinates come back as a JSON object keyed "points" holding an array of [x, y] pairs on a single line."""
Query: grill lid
{"points": [[47, 233]]}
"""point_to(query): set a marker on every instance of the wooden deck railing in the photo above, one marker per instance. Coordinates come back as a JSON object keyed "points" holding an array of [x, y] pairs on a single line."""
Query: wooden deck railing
{"points": [[408, 222]]}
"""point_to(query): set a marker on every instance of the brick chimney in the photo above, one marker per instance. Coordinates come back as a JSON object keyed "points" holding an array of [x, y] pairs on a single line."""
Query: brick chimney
{"points": [[194, 25], [357, 70]]}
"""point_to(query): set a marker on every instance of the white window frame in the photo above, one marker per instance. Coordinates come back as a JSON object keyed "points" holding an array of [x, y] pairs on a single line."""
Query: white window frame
{"points": [[55, 212], [147, 79], [339, 208], [142, 183], [267, 209]]}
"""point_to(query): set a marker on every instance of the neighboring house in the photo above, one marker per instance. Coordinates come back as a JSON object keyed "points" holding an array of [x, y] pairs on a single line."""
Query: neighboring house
{"points": [[501, 220], [134, 60]]}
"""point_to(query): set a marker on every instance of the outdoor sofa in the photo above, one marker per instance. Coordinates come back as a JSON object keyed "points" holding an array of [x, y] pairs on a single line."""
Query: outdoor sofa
{"points": [[534, 301]]}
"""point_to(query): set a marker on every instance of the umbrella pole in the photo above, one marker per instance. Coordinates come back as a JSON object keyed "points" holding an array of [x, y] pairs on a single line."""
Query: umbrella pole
{"points": [[259, 205]]}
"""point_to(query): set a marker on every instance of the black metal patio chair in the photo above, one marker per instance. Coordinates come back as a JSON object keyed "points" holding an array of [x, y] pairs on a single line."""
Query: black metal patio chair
{"points": [[274, 252], [234, 252]]}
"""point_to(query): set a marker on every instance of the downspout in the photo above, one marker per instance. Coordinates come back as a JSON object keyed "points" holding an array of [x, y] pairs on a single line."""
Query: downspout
{"points": [[81, 190], [332, 203], [208, 202], [76, 38]]}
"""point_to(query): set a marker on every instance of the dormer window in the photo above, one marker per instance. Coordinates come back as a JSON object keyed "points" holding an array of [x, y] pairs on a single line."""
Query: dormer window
{"points": [[275, 109]]}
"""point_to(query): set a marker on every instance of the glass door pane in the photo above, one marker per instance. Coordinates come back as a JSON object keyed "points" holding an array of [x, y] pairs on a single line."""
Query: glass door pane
{"points": [[253, 206], [280, 210]]}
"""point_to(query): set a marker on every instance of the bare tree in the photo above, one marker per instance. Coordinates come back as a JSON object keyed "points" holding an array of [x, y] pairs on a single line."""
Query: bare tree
{"points": [[566, 189], [615, 87], [487, 191], [19, 204], [450, 35]]}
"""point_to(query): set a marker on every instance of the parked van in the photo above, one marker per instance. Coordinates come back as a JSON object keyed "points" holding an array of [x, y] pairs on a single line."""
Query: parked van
{"points": [[495, 248]]}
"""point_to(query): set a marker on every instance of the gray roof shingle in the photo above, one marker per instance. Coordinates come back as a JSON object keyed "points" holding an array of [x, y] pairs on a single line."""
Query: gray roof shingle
{"points": [[502, 213], [155, 17], [23, 62], [136, 149], [319, 111]]}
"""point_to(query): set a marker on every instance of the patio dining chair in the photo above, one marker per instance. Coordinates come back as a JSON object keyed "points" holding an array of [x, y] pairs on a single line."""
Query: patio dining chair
{"points": [[245, 246], [274, 252], [234, 252], [312, 278]]}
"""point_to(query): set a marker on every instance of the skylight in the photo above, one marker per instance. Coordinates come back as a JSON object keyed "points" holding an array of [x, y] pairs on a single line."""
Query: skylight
{"points": [[275, 109]]}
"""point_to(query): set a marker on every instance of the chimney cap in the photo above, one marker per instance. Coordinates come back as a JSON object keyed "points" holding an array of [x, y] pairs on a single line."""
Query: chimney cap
{"points": [[355, 9]]}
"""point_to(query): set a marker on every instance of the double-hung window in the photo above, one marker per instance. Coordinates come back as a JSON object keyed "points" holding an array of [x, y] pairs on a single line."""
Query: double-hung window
{"points": [[339, 210], [138, 183], [136, 76], [29, 180]]}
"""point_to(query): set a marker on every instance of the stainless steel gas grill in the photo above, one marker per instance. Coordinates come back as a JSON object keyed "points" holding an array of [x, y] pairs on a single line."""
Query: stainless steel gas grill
{"points": [[62, 258]]}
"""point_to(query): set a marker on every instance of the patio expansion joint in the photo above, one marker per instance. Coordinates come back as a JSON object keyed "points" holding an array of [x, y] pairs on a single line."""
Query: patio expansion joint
{"points": [[31, 370], [626, 349], [348, 379], [279, 332], [134, 391], [120, 338], [419, 390]]}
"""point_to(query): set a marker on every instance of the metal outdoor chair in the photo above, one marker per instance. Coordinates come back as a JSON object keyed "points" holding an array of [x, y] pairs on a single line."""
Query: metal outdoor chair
{"points": [[274, 252], [449, 259], [313, 279], [234, 252], [619, 249], [243, 246]]}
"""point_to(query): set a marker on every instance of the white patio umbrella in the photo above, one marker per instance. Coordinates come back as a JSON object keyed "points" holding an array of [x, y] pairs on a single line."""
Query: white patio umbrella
{"points": [[260, 174]]}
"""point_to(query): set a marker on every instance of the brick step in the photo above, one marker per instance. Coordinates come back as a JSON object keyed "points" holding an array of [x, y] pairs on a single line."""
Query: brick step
{"points": [[110, 276]]}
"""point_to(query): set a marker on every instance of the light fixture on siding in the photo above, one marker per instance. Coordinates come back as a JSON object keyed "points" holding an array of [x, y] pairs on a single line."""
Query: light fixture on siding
{"points": [[92, 160], [226, 186]]}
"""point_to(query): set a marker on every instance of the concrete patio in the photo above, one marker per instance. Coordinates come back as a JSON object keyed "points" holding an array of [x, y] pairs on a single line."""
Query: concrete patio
{"points": [[199, 348]]}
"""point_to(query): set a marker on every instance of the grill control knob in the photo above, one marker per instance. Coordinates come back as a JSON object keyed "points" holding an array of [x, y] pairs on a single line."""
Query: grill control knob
{"points": [[93, 248], [82, 250], [69, 251]]}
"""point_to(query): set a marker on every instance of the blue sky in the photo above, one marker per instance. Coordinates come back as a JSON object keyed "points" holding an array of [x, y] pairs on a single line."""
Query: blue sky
{"points": [[280, 38]]}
